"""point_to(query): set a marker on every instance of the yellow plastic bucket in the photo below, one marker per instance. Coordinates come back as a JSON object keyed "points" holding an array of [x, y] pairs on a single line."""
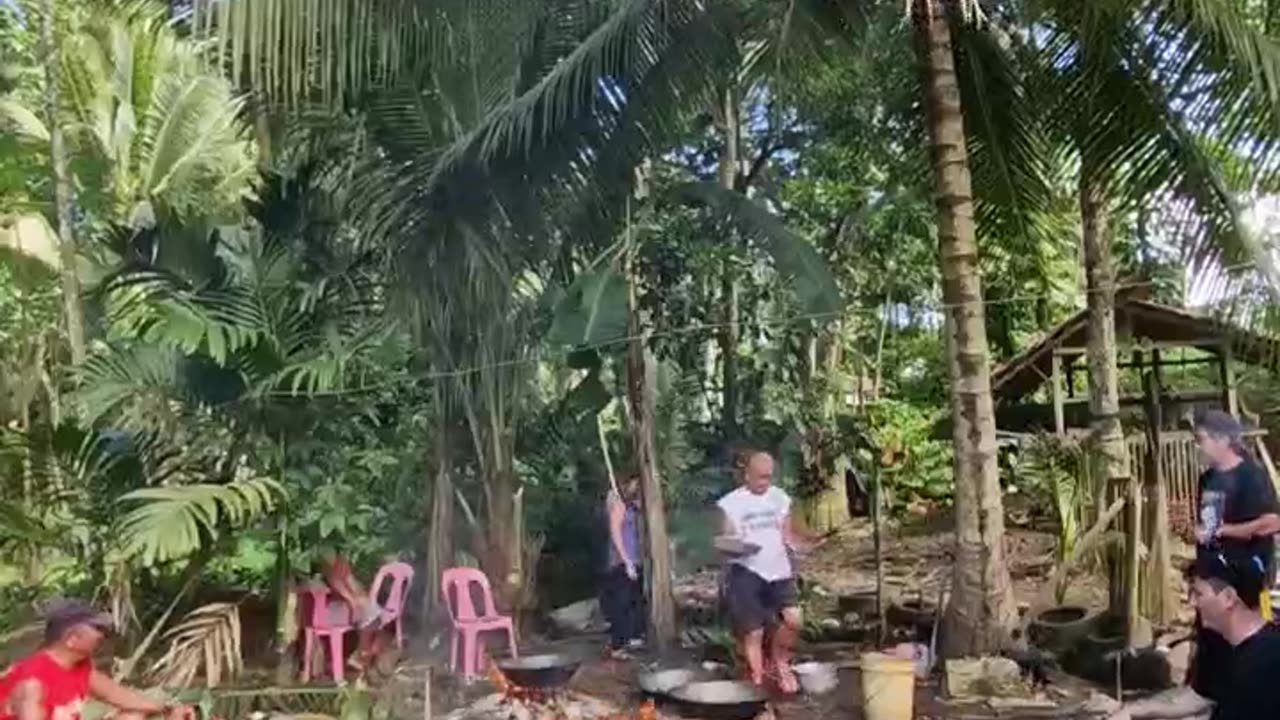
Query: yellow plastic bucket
{"points": [[888, 686]]}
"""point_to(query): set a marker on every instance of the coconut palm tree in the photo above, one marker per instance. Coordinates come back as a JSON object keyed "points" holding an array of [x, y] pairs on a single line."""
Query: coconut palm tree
{"points": [[151, 131]]}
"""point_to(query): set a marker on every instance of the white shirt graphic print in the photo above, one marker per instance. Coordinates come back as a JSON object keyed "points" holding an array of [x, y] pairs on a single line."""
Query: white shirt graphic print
{"points": [[758, 519]]}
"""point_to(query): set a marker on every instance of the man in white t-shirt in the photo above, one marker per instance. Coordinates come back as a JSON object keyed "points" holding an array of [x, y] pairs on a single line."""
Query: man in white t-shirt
{"points": [[760, 588]]}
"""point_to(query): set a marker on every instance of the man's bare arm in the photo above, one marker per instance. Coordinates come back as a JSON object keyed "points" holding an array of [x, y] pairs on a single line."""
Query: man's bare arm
{"points": [[796, 536], [727, 528], [27, 700], [116, 695], [617, 517]]}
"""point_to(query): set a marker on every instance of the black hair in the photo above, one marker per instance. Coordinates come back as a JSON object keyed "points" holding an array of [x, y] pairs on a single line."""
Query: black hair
{"points": [[1245, 575]]}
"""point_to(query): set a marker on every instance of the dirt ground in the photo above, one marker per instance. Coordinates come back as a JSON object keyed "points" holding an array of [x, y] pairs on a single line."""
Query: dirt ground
{"points": [[918, 562], [917, 565]]}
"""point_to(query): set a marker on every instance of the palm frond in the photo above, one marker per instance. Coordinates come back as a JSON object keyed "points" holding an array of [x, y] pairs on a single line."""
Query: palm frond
{"points": [[156, 308], [173, 522], [144, 375], [22, 121], [167, 128], [1008, 148], [207, 637], [16, 524], [295, 51], [1173, 101]]}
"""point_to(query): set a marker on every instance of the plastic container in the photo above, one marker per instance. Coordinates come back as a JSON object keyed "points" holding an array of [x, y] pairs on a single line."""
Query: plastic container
{"points": [[816, 678], [888, 686]]}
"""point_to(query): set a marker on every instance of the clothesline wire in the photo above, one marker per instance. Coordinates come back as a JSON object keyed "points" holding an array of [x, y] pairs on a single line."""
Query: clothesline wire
{"points": [[538, 356]]}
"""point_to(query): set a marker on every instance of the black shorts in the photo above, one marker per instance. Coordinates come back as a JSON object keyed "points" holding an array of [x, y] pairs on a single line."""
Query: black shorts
{"points": [[755, 603]]}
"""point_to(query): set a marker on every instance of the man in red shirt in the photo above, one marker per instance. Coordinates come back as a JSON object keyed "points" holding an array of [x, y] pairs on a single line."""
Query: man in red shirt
{"points": [[54, 682]]}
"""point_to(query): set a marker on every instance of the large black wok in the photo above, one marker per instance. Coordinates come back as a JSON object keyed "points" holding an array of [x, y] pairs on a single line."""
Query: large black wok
{"points": [[720, 700], [540, 672]]}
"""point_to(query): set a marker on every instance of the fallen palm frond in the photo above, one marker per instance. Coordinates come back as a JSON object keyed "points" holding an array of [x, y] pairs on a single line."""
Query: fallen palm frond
{"points": [[209, 638]]}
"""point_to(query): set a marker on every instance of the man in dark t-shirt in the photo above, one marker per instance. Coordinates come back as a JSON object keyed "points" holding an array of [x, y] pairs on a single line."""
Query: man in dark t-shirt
{"points": [[1226, 591], [1238, 519]]}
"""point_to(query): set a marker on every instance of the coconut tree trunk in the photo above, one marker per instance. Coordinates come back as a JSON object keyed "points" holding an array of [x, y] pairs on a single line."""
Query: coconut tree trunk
{"points": [[728, 166], [440, 528], [73, 313], [981, 612], [1106, 435]]}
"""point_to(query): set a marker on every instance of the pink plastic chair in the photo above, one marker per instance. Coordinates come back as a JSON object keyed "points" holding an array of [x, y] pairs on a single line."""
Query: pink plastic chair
{"points": [[317, 625], [467, 624], [400, 575]]}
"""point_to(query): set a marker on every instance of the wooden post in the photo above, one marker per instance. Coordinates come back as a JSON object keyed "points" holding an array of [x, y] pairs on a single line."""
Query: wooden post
{"points": [[1163, 605], [1132, 564], [1263, 454], [1227, 373], [879, 551], [1059, 416]]}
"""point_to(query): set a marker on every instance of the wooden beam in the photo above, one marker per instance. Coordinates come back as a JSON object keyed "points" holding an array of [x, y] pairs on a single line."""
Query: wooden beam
{"points": [[1158, 378], [1137, 400], [1207, 344], [1226, 367], [1174, 363], [1267, 463], [1059, 416]]}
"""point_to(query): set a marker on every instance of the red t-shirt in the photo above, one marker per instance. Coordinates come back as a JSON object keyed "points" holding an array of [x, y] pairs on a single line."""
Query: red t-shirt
{"points": [[65, 689]]}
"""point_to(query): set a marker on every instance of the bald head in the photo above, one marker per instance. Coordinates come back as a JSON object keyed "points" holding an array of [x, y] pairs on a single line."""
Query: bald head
{"points": [[757, 472]]}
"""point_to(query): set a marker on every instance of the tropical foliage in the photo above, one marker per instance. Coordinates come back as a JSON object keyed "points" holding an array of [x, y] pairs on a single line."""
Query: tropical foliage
{"points": [[420, 277]]}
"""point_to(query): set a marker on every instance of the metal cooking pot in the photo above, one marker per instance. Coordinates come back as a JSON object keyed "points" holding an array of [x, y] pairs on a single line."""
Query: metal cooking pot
{"points": [[541, 672], [721, 699], [660, 683]]}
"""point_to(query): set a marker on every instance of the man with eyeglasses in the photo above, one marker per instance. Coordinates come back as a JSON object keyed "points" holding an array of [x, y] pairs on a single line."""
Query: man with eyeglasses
{"points": [[1225, 591]]}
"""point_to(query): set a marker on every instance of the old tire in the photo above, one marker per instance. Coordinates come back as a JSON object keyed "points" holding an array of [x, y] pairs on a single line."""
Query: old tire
{"points": [[919, 616], [1060, 629], [1106, 634], [863, 603]]}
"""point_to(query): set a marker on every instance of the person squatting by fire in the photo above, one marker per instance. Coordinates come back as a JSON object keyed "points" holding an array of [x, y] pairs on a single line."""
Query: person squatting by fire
{"points": [[760, 588], [56, 681]]}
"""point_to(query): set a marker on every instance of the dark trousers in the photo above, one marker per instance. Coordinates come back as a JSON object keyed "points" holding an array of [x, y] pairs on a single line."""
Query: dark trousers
{"points": [[622, 602]]}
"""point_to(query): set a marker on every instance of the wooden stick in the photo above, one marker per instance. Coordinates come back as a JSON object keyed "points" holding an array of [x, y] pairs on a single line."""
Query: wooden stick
{"points": [[604, 450]]}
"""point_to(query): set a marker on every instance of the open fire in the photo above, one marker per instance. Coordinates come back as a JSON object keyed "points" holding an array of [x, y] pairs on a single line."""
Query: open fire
{"points": [[522, 703]]}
